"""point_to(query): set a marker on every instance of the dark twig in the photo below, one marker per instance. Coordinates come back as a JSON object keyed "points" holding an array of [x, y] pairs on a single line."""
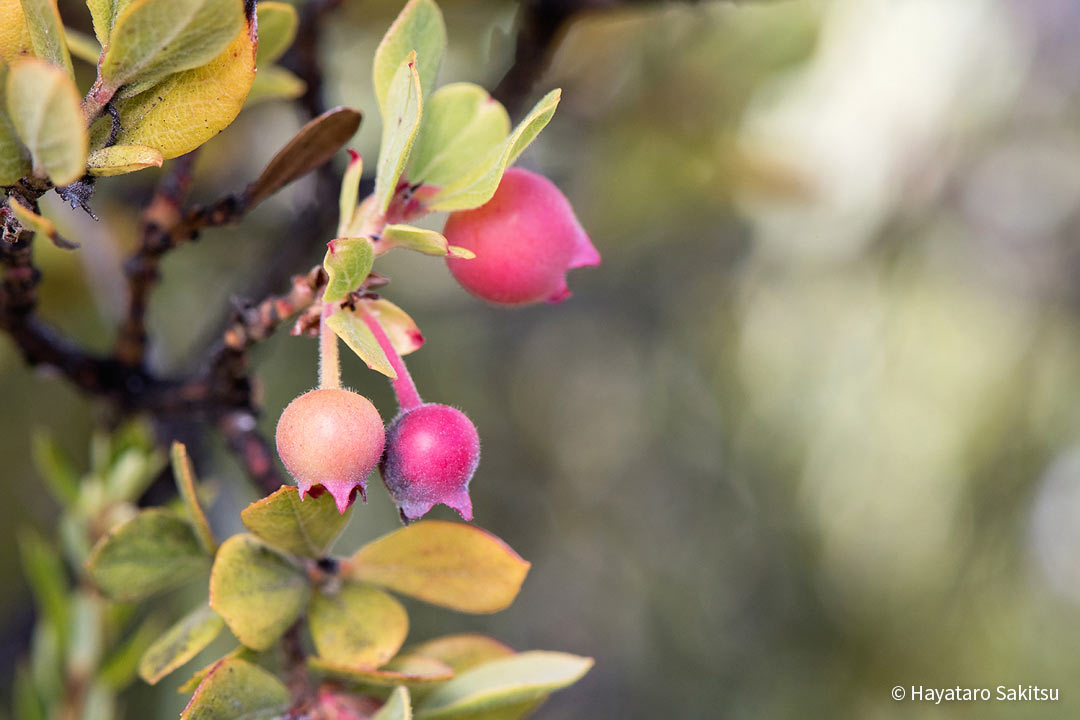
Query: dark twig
{"points": [[303, 57]]}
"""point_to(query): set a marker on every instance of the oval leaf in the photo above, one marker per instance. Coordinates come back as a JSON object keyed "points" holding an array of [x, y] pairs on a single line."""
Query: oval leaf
{"points": [[397, 707], [418, 27], [461, 123], [400, 329], [347, 262], [358, 627], [351, 328], [180, 643], [151, 552], [478, 184], [518, 679], [184, 475], [236, 689], [154, 38], [47, 33], [408, 670], [186, 109], [46, 111], [464, 651], [123, 159], [277, 30], [420, 240], [444, 563], [258, 592], [301, 526], [401, 121], [199, 675]]}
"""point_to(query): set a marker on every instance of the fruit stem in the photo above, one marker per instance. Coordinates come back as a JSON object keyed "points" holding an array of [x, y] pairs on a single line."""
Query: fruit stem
{"points": [[407, 396], [329, 362]]}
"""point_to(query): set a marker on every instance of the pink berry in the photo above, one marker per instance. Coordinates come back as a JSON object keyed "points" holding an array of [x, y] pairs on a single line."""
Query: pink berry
{"points": [[525, 239], [431, 454], [331, 438]]}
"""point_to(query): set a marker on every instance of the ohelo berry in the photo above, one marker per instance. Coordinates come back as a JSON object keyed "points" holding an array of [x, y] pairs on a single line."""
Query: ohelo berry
{"points": [[431, 454], [333, 438], [525, 240]]}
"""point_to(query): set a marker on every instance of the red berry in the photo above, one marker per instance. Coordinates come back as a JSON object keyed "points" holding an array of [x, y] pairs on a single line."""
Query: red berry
{"points": [[431, 454], [332, 438], [525, 239]]}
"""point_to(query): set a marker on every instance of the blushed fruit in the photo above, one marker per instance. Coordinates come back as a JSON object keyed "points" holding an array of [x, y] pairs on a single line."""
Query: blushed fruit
{"points": [[431, 454], [331, 438], [525, 240]]}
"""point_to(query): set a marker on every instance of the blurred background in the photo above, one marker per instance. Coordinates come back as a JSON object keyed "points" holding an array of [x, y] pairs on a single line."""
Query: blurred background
{"points": [[811, 431]]}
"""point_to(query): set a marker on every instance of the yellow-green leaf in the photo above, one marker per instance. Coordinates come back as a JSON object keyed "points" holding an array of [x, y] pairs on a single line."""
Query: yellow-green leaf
{"points": [[154, 551], [409, 670], [186, 109], [40, 225], [351, 328], [294, 525], [347, 262], [237, 690], [189, 685], [14, 34], [47, 33], [83, 46], [397, 707], [444, 563], [418, 27], [518, 679], [478, 184], [463, 651], [400, 329], [184, 475], [420, 240], [122, 159], [257, 591], [103, 14], [349, 195], [46, 111], [359, 626], [277, 30], [14, 157], [274, 82], [154, 38], [401, 122], [180, 643], [462, 124]]}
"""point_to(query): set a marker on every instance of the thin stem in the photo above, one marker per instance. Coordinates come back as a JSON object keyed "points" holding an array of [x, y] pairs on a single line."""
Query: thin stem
{"points": [[407, 396], [329, 362]]}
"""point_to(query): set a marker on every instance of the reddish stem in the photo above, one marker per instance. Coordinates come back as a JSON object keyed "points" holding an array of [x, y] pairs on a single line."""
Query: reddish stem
{"points": [[329, 364], [407, 396]]}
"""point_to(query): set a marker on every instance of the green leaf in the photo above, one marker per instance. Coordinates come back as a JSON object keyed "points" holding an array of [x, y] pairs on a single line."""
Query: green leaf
{"points": [[184, 475], [277, 30], [186, 109], [180, 643], [347, 262], [349, 195], [47, 33], [351, 328], [464, 651], [444, 563], [48, 580], [408, 670], [461, 124], [359, 626], [131, 473], [154, 551], [38, 224], [27, 701], [311, 147], [55, 466], [295, 525], [419, 28], [274, 82], [14, 157], [119, 669], [400, 329], [241, 653], [515, 680], [154, 38], [123, 159], [83, 46], [397, 707], [476, 186], [46, 111], [85, 640], [420, 240], [236, 689], [103, 13], [401, 122], [256, 590]]}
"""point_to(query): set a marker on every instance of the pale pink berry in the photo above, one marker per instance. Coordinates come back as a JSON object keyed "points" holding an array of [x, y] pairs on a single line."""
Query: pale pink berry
{"points": [[331, 438], [431, 454], [525, 240]]}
